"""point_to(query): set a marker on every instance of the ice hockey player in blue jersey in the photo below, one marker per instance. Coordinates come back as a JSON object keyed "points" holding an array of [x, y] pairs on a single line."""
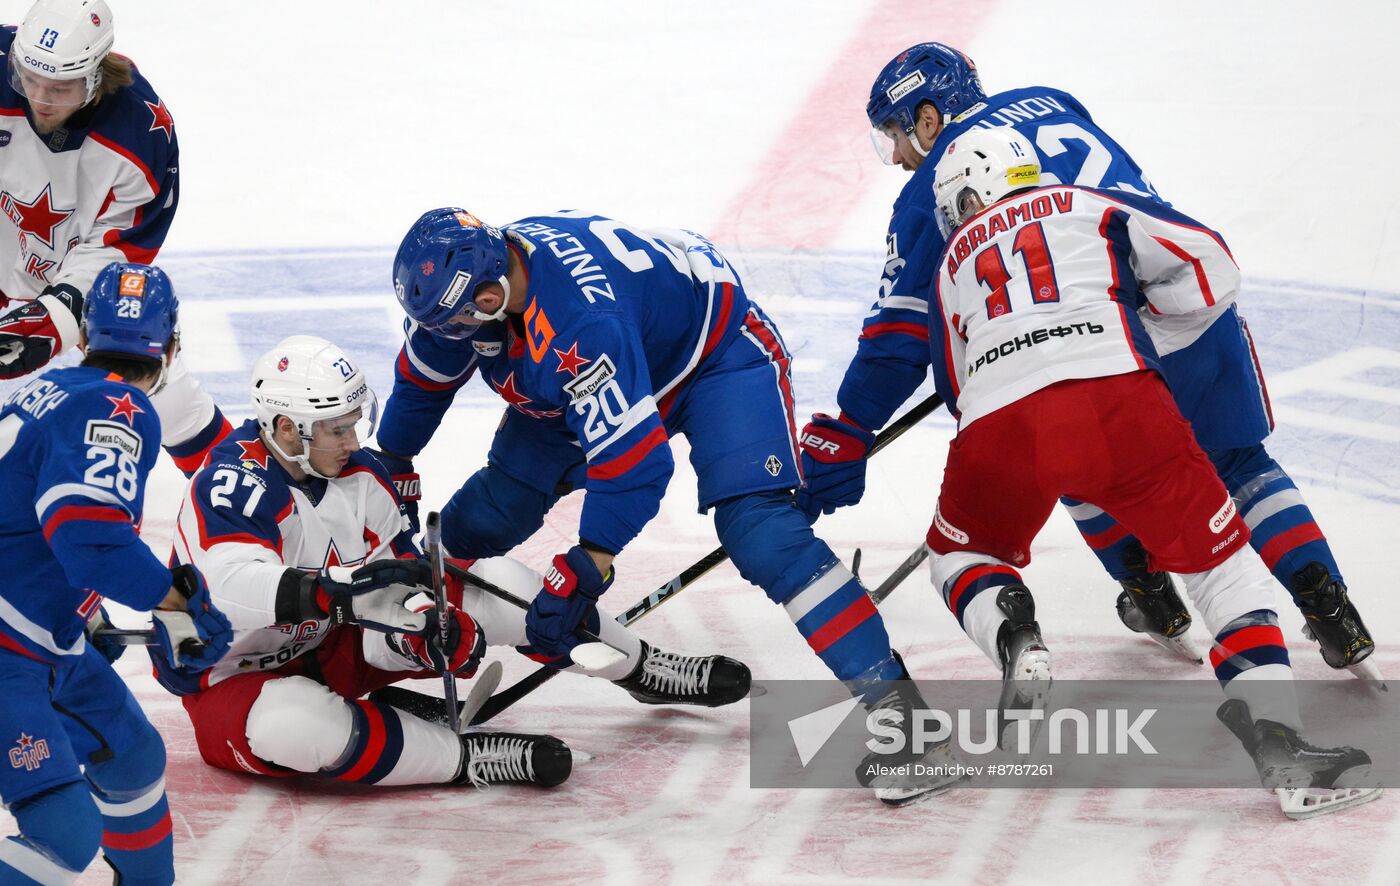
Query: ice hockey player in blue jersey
{"points": [[90, 176], [606, 341], [86, 768], [921, 102]]}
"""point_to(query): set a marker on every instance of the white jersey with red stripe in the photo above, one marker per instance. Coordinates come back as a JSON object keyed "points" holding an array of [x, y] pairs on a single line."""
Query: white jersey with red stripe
{"points": [[1063, 283], [244, 522], [103, 188]]}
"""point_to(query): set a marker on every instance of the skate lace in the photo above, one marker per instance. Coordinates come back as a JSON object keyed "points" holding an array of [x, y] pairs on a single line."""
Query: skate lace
{"points": [[676, 674], [496, 759]]}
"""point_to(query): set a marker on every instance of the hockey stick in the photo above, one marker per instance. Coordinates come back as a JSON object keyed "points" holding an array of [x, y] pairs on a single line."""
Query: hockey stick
{"points": [[433, 534], [692, 573], [609, 655], [901, 572]]}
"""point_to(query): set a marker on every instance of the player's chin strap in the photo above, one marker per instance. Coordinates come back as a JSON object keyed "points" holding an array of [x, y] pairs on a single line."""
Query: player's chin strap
{"points": [[162, 378], [500, 312]]}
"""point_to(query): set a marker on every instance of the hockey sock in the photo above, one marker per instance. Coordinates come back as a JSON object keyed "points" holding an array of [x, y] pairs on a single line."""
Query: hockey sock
{"points": [[389, 747], [1251, 663], [136, 835], [1106, 537], [964, 579], [772, 545], [839, 622], [59, 831], [1282, 527]]}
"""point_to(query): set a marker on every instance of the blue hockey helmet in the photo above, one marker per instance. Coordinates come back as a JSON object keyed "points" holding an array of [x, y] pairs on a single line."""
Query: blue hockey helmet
{"points": [[131, 310], [926, 72], [443, 259]]}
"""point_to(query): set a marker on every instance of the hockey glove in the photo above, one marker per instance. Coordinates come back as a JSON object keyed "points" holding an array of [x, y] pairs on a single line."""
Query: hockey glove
{"points": [[466, 643], [833, 465], [196, 637], [32, 333], [569, 596], [372, 596], [106, 646], [406, 483]]}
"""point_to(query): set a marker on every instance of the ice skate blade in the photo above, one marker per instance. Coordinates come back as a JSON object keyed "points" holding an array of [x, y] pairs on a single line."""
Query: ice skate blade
{"points": [[1367, 671], [1179, 646], [1303, 803], [910, 796]]}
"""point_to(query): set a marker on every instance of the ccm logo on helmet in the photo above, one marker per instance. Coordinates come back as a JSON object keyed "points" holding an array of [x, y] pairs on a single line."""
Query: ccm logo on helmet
{"points": [[1222, 517]]}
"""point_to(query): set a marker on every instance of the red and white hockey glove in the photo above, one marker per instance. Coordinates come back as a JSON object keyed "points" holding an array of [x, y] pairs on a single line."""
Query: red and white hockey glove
{"points": [[834, 451], [32, 332], [466, 643]]}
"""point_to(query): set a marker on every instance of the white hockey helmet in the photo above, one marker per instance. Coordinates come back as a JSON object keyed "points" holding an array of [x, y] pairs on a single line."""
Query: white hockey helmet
{"points": [[981, 167], [62, 40], [312, 382]]}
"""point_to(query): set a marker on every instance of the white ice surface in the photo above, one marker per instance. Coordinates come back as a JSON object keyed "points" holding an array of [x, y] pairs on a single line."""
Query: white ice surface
{"points": [[313, 133]]}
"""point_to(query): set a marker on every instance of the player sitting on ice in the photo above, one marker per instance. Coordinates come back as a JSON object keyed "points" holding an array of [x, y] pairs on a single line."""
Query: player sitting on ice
{"points": [[925, 99], [76, 445], [606, 341], [305, 542], [1055, 384]]}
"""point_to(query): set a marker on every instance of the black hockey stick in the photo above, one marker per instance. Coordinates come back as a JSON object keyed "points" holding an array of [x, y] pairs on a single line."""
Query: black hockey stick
{"points": [[509, 696], [433, 534], [901, 572]]}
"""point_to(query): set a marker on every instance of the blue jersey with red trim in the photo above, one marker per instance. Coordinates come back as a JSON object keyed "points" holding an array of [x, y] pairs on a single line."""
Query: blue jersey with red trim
{"points": [[892, 357], [616, 321], [104, 188], [76, 445]]}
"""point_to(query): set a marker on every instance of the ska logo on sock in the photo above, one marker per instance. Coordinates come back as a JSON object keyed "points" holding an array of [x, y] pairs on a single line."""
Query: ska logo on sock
{"points": [[29, 752]]}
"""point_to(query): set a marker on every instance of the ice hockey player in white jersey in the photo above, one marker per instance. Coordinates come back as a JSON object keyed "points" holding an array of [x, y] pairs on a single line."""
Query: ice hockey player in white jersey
{"points": [[89, 175], [307, 547], [1044, 300]]}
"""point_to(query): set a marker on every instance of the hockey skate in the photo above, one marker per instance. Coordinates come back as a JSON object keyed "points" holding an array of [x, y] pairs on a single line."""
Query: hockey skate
{"points": [[911, 773], [490, 758], [1307, 780], [1334, 623], [1025, 666], [1149, 604], [668, 678]]}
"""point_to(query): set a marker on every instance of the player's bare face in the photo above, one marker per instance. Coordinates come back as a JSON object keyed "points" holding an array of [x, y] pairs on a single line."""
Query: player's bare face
{"points": [[51, 102]]}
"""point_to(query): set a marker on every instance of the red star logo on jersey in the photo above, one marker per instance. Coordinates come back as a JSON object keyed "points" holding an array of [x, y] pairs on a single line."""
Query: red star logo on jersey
{"points": [[161, 119], [517, 400], [39, 218], [253, 451], [333, 558], [570, 361], [123, 407], [26, 742]]}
